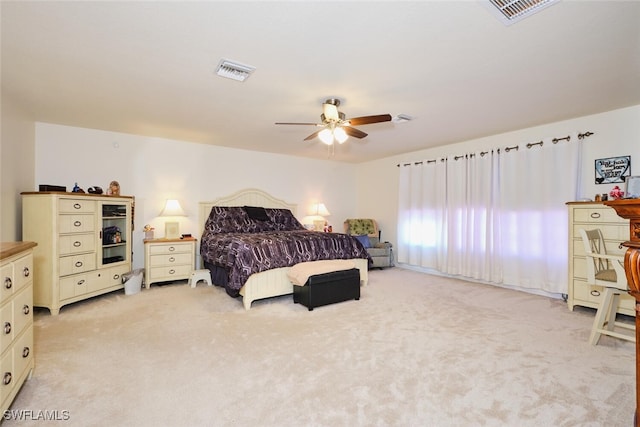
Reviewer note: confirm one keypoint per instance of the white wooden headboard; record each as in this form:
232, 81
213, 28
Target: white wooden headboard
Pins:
247, 197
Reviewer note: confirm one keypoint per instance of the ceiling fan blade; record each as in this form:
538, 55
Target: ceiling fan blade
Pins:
306, 124
313, 135
356, 133
366, 120
330, 112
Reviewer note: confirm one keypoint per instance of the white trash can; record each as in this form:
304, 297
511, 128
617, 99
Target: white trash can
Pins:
133, 281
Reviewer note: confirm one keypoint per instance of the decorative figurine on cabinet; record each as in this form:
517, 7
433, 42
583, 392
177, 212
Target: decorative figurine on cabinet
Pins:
114, 189
616, 193
77, 189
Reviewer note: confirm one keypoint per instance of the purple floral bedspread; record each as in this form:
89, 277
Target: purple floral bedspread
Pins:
271, 238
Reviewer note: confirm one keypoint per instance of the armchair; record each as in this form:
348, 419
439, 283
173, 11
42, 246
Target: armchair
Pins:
367, 232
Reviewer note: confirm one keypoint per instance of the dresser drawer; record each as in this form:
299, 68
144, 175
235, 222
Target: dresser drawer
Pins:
107, 278
22, 271
22, 310
22, 353
8, 282
76, 223
76, 206
617, 232
15, 275
7, 331
171, 248
73, 286
76, 243
595, 215
77, 264
173, 259
612, 247
7, 379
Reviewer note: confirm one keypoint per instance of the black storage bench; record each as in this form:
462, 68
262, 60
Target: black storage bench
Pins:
328, 288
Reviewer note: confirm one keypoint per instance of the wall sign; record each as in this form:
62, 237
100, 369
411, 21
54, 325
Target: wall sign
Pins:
613, 169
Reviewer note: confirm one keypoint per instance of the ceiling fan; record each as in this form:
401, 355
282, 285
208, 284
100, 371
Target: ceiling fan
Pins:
336, 127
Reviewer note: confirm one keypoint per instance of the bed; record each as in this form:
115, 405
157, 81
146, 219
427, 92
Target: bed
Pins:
231, 253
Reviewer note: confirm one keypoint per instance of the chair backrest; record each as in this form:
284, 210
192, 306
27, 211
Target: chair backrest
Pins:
361, 226
602, 268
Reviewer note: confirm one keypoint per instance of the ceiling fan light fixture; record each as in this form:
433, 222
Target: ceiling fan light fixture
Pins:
340, 135
326, 136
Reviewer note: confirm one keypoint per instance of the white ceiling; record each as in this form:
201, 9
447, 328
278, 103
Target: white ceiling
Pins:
147, 68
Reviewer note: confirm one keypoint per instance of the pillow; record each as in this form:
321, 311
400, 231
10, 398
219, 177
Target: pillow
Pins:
256, 213
364, 239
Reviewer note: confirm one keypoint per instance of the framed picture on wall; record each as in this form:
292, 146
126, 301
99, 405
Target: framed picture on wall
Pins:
632, 189
613, 169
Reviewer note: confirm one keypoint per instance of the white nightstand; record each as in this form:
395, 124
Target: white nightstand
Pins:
168, 259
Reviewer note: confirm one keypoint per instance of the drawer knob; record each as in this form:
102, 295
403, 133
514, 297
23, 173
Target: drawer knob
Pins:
77, 224
7, 328
77, 206
80, 282
172, 259
25, 352
172, 271
77, 244
7, 378
26, 310
172, 248
79, 264
595, 293
116, 276
26, 272
595, 215
8, 283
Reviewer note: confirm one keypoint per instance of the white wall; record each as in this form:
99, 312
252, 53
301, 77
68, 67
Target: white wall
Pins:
17, 168
616, 133
153, 170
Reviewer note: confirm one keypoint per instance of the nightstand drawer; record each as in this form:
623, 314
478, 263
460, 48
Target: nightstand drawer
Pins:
170, 272
170, 248
168, 260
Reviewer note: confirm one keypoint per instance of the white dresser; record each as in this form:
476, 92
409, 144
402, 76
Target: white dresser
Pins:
16, 315
168, 259
615, 230
84, 245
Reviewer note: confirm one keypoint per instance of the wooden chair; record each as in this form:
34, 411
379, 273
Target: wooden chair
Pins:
607, 271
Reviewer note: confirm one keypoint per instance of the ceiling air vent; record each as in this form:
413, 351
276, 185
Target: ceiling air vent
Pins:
234, 70
511, 11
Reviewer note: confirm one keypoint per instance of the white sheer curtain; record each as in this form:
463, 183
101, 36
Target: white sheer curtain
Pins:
422, 214
496, 216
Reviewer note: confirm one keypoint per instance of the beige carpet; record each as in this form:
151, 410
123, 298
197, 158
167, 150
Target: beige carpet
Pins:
416, 350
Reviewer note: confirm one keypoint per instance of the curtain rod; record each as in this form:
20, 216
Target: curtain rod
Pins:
567, 138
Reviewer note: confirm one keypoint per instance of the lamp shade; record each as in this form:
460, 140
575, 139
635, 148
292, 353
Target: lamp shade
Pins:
172, 208
326, 136
319, 209
340, 135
